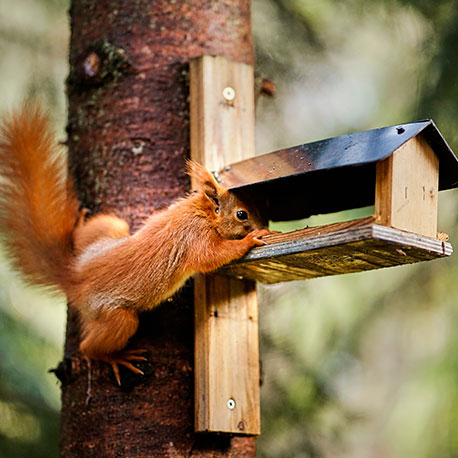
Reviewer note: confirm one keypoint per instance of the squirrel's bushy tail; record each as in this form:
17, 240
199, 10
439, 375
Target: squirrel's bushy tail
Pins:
38, 204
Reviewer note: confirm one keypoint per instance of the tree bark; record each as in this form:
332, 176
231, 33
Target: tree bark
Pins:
128, 137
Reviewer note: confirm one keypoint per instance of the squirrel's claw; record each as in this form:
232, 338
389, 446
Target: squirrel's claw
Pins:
133, 355
123, 358
256, 236
131, 367
116, 372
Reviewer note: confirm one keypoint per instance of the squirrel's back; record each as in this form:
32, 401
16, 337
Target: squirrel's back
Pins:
38, 205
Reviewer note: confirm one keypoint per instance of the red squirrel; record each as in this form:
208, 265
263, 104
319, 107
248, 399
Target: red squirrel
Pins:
108, 275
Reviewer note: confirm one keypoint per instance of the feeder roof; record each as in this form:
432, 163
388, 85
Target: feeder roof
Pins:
333, 174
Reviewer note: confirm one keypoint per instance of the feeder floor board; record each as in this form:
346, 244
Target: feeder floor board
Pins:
339, 248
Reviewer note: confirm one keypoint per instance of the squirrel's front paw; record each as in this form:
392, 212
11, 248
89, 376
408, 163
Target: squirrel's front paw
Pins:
255, 236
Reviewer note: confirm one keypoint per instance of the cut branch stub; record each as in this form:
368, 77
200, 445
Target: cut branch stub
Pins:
102, 62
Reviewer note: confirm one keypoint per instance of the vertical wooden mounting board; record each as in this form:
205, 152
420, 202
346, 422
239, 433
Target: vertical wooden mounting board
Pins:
407, 187
226, 310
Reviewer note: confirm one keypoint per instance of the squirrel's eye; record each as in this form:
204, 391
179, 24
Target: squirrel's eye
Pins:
217, 210
242, 215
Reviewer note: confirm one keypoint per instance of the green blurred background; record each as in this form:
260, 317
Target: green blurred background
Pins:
362, 365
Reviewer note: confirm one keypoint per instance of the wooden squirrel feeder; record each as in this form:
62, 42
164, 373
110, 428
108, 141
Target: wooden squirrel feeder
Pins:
396, 169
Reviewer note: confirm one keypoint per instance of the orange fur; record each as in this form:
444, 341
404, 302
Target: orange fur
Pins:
110, 276
109, 332
96, 228
38, 206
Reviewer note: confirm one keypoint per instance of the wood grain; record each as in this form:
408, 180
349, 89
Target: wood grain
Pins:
340, 248
407, 186
222, 131
227, 339
226, 310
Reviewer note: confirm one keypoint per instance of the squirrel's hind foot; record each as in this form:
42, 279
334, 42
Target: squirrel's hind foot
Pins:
123, 359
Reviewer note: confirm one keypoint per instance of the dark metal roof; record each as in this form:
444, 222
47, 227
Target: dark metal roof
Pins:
333, 174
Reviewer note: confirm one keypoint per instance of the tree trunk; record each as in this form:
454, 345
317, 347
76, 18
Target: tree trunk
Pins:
128, 136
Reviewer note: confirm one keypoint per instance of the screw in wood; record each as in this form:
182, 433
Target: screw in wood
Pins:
231, 404
229, 93
217, 177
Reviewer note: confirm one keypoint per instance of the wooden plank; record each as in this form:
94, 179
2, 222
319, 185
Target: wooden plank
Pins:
226, 310
225, 403
406, 194
222, 130
336, 249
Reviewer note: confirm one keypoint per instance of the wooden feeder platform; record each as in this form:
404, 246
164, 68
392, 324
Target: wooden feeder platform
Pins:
398, 169
334, 249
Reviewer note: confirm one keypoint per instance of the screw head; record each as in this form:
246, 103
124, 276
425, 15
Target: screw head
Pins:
231, 404
229, 93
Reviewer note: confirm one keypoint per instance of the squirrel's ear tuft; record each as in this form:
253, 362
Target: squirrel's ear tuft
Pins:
203, 180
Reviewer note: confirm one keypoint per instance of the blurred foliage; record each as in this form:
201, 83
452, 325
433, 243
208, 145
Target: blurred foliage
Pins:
363, 365
33, 46
31, 339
